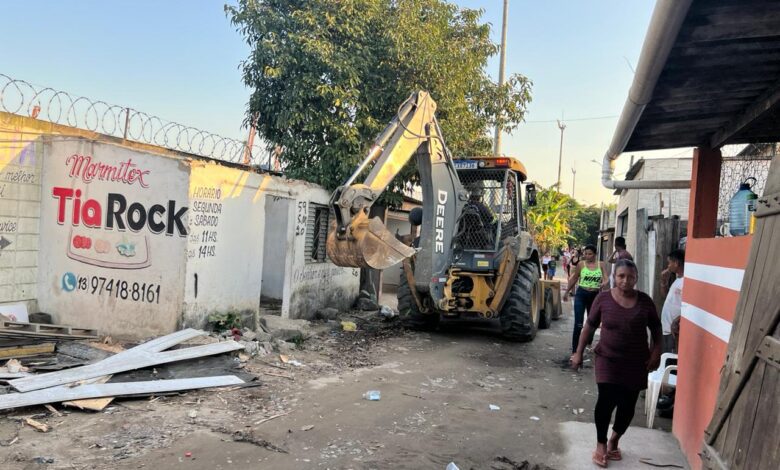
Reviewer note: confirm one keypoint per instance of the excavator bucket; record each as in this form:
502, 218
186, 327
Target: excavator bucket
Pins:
367, 244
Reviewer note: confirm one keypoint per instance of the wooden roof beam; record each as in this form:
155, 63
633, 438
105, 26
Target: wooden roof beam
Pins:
752, 113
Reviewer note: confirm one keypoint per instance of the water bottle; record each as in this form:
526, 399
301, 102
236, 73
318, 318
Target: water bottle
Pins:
372, 395
741, 208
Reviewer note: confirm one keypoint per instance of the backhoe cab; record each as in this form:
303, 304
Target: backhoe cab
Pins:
474, 256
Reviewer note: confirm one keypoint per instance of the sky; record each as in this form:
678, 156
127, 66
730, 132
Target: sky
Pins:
180, 60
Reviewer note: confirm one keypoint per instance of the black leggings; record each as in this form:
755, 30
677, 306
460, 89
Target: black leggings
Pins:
613, 396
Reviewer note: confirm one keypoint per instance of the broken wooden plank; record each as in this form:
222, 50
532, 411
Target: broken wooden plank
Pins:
82, 392
93, 404
45, 328
26, 350
129, 360
32, 335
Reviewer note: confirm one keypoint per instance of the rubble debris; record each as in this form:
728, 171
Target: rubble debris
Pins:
65, 393
286, 329
27, 350
17, 329
387, 312
40, 317
13, 366
327, 313
92, 404
308, 427
250, 437
279, 415
505, 463
53, 411
366, 305
145, 355
37, 425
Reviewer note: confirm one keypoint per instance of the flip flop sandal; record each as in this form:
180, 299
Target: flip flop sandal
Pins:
614, 455
600, 460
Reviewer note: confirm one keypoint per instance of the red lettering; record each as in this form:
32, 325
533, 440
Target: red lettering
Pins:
91, 213
62, 194
77, 208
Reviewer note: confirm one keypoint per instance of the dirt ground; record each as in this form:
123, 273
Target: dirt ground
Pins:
436, 395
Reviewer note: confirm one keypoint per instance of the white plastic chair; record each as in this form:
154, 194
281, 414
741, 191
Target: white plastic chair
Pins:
655, 380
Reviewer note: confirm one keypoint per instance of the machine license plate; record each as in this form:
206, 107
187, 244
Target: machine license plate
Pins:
465, 164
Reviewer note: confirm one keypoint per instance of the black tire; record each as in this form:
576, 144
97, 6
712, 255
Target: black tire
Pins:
520, 314
546, 317
410, 314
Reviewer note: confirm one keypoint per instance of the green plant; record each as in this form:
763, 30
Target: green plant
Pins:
224, 321
327, 76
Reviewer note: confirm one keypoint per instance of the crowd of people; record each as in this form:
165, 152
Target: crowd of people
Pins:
606, 298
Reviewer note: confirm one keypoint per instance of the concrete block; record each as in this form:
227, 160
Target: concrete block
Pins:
29, 208
27, 242
28, 225
26, 259
285, 328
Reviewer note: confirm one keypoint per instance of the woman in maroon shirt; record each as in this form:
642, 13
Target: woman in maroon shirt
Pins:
623, 358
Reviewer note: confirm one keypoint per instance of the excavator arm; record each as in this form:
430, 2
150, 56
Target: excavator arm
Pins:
356, 241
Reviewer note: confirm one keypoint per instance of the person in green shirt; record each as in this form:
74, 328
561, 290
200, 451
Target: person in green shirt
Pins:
592, 277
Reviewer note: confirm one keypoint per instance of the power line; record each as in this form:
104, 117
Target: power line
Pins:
593, 118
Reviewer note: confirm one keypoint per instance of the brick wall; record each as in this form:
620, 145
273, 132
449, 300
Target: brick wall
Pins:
20, 200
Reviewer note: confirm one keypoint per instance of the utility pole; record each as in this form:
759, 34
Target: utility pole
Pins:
561, 126
502, 63
573, 180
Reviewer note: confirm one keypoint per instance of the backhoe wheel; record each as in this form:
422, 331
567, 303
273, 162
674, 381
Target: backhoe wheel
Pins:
546, 317
520, 315
410, 314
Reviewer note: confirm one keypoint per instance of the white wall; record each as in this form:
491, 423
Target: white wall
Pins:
225, 246
139, 281
123, 281
231, 269
316, 285
20, 198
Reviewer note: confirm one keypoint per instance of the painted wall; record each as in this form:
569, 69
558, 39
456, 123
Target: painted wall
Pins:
234, 242
316, 285
135, 276
113, 237
714, 268
21, 160
225, 245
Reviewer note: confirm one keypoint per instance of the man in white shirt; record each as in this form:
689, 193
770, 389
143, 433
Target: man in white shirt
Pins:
670, 313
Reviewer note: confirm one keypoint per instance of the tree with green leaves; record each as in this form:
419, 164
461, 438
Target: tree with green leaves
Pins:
549, 220
585, 224
327, 76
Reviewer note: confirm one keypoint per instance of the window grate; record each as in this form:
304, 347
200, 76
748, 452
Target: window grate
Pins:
316, 233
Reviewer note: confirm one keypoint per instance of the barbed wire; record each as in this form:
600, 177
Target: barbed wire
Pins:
59, 107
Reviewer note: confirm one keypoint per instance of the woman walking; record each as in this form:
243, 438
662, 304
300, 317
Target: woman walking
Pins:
592, 277
623, 358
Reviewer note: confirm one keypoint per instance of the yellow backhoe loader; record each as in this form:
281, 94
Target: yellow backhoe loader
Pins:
474, 256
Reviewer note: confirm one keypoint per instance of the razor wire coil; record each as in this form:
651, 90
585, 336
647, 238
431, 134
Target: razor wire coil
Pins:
58, 107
